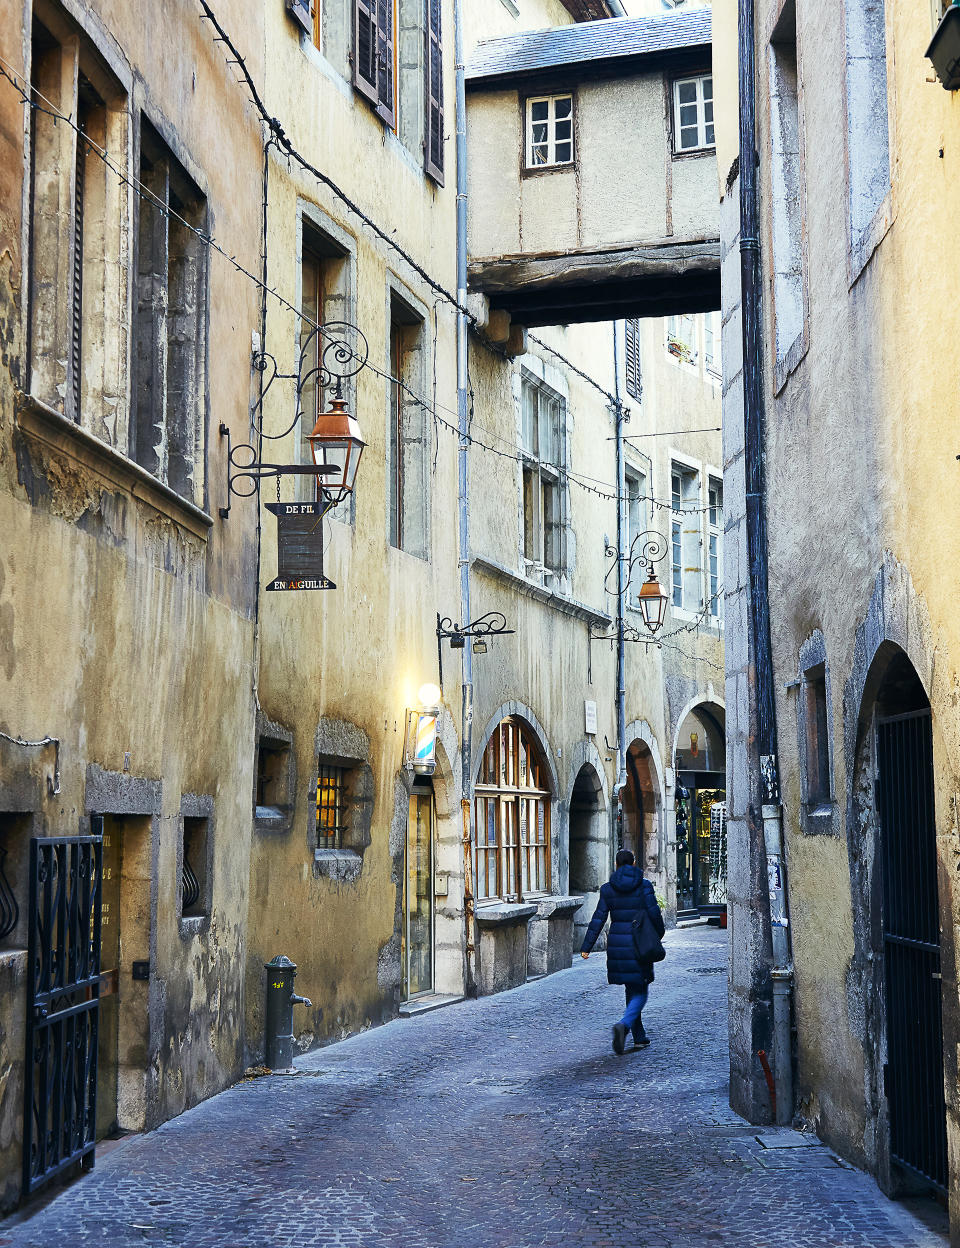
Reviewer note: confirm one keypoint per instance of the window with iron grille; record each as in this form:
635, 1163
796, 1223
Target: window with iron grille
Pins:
549, 131
331, 822
632, 358
373, 55
194, 895
512, 816
693, 113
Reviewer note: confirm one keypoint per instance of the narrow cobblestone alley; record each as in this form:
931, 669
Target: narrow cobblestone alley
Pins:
508, 1122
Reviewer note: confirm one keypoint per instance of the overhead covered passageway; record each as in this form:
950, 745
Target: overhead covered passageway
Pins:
592, 171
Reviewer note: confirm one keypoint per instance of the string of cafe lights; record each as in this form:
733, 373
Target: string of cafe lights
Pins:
591, 485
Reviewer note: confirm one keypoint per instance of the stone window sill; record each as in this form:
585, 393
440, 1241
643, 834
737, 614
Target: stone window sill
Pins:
530, 589
561, 906
51, 429
505, 913
193, 925
342, 865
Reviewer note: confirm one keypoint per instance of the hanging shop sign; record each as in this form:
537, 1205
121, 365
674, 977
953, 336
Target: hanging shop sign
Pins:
330, 356
299, 547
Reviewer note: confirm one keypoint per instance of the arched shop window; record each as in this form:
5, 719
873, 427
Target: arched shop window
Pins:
512, 838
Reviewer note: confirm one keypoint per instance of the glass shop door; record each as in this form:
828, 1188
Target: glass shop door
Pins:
417, 939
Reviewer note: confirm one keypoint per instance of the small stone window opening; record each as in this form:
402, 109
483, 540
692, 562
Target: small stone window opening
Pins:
193, 875
693, 113
273, 769
15, 833
331, 819
549, 131
817, 738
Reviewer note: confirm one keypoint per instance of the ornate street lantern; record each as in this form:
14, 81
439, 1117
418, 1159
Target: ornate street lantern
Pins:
653, 601
336, 446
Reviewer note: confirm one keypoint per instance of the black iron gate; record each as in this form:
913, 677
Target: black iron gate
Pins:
913, 1076
60, 1072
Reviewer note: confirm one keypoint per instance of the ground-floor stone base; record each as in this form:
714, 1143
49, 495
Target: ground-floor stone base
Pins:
499, 1121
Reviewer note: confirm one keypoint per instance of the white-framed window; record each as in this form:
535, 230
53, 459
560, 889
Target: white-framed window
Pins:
715, 547
543, 462
693, 113
682, 338
711, 344
636, 484
686, 571
549, 131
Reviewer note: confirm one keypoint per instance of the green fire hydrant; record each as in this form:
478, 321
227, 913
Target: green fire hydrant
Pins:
280, 1002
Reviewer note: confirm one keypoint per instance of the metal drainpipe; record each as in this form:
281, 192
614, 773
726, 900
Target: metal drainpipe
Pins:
622, 557
463, 494
756, 521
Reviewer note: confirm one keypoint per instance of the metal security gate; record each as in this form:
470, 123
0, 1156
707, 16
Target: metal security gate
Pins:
913, 1076
60, 1070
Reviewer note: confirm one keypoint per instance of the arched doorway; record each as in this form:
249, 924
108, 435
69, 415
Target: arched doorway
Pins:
700, 761
907, 857
588, 845
512, 857
640, 802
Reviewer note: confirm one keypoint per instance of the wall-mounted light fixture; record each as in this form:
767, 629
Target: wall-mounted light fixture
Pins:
420, 740
944, 49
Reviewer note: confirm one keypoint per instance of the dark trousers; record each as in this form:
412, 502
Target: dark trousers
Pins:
636, 1000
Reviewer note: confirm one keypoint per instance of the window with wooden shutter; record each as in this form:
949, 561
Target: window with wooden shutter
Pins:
433, 140
373, 54
632, 360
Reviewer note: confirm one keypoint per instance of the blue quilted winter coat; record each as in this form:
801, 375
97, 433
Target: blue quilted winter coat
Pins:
622, 897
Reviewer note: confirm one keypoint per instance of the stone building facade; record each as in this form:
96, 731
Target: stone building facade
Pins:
855, 140
173, 230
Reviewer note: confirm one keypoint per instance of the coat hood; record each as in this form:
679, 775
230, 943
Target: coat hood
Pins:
626, 879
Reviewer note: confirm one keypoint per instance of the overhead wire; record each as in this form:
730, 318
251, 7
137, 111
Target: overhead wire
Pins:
592, 485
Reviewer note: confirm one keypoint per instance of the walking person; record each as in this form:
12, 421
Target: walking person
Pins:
622, 897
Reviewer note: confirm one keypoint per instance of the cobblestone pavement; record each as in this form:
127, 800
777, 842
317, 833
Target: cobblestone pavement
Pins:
506, 1122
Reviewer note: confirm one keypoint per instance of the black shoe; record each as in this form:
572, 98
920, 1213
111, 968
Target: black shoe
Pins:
619, 1037
642, 1041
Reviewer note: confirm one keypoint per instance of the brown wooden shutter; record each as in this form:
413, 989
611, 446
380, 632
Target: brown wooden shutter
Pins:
632, 362
365, 48
433, 139
385, 60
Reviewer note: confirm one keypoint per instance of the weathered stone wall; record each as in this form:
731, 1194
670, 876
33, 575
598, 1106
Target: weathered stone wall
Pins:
127, 614
857, 423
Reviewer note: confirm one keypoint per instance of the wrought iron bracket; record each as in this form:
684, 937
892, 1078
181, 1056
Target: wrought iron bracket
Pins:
254, 471
492, 624
330, 355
